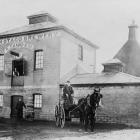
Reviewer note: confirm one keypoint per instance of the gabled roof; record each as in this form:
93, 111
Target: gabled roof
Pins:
104, 78
77, 69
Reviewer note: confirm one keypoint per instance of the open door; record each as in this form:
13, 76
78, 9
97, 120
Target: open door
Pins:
19, 70
14, 100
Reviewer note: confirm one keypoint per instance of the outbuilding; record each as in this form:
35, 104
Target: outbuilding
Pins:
121, 93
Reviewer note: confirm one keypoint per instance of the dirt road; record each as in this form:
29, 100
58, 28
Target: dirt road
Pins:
48, 131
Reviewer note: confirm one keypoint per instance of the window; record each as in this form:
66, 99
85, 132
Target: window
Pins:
1, 100
1, 62
38, 59
80, 52
19, 67
37, 100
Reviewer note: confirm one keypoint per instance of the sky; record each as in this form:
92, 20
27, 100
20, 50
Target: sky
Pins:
103, 22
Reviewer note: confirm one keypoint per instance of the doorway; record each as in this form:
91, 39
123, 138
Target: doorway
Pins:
14, 100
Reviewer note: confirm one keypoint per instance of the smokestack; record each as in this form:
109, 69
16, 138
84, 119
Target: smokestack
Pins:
132, 31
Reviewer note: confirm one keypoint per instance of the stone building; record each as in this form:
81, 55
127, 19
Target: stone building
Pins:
121, 93
34, 58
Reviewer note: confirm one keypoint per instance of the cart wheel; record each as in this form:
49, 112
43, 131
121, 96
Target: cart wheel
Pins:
57, 118
62, 117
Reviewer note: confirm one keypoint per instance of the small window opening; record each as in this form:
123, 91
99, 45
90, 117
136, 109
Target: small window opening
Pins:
19, 67
37, 100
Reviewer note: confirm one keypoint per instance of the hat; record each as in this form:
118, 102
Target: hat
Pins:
97, 89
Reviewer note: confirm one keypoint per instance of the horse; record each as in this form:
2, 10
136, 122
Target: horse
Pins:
87, 109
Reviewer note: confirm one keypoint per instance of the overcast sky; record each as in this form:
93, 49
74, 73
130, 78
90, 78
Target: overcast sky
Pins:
103, 22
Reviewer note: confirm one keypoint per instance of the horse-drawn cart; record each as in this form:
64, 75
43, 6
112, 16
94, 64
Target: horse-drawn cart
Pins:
85, 110
65, 111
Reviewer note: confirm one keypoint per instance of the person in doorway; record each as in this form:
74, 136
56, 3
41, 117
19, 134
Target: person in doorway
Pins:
15, 72
19, 108
68, 92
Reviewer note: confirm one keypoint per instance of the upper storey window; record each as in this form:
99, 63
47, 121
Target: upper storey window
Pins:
38, 59
1, 62
80, 52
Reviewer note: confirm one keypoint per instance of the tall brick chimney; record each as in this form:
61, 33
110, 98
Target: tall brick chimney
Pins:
41, 17
132, 31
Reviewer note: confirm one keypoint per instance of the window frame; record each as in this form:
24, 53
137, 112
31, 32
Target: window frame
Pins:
40, 102
80, 52
2, 65
35, 58
1, 104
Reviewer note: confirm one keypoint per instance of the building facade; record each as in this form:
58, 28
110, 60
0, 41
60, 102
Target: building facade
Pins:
121, 93
33, 60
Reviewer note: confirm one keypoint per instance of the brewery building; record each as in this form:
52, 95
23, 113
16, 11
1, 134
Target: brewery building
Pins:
33, 60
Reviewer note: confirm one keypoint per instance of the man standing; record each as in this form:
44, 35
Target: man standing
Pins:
19, 108
68, 92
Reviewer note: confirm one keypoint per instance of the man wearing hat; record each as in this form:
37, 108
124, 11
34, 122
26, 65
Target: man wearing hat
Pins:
68, 92
97, 95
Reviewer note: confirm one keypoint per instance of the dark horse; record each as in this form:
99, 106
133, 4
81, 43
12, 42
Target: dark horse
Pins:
87, 108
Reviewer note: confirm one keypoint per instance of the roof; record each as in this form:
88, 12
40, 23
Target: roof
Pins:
104, 78
112, 61
27, 28
77, 69
129, 54
43, 27
40, 13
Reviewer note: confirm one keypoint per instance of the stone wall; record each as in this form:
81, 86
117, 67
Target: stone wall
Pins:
121, 103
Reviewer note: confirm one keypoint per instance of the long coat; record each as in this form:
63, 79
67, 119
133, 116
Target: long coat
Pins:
67, 93
19, 108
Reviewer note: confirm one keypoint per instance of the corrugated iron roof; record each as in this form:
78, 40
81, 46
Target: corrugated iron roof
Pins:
104, 78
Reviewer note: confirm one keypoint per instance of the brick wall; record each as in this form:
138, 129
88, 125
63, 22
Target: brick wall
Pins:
50, 73
69, 50
49, 100
121, 104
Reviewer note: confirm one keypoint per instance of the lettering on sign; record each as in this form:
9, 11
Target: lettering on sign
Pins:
19, 39
18, 45
24, 41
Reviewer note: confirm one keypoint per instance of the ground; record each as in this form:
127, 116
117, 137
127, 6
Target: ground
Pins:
42, 130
